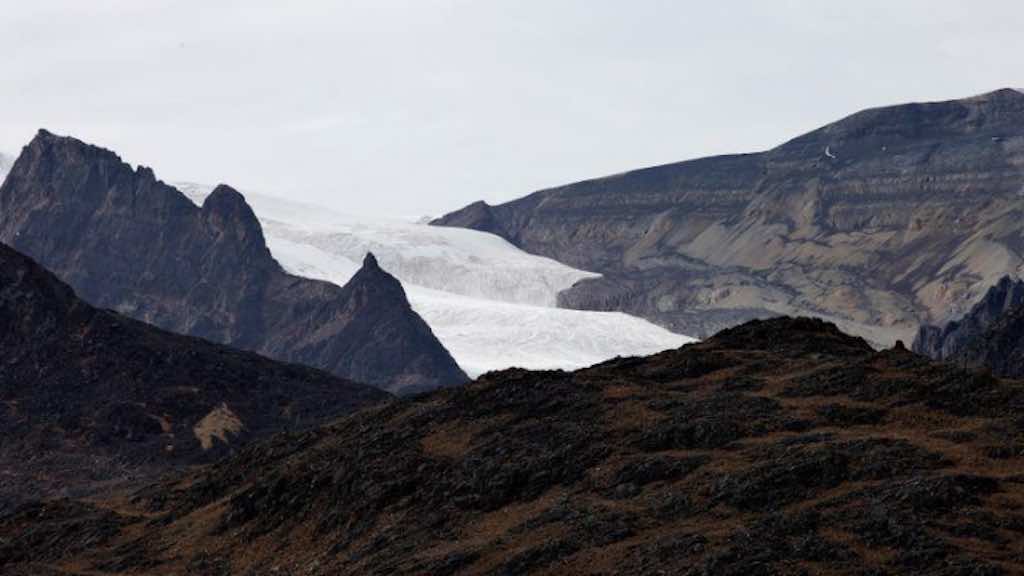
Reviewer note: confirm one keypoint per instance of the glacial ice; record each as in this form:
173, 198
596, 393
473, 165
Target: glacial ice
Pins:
490, 303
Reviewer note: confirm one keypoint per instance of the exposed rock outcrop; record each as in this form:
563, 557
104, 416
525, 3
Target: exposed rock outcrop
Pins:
990, 336
126, 241
885, 220
947, 341
90, 399
778, 447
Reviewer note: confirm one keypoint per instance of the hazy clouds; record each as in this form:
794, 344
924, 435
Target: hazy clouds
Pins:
418, 107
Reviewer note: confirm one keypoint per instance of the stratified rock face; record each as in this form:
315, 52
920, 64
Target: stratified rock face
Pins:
947, 341
778, 447
90, 399
990, 337
129, 242
883, 221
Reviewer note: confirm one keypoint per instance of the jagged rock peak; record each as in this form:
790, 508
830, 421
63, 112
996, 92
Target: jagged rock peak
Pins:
230, 205
64, 150
127, 242
949, 341
46, 140
377, 284
224, 196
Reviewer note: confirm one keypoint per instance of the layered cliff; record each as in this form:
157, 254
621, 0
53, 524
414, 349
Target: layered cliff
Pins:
126, 241
882, 221
90, 399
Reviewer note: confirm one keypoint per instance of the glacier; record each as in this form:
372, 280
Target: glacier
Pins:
6, 162
491, 304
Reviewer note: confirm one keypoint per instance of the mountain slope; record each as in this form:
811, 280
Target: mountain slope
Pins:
990, 336
882, 221
946, 342
1000, 348
91, 399
489, 303
129, 242
779, 447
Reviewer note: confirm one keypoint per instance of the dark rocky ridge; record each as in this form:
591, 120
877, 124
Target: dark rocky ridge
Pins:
990, 336
883, 221
947, 341
126, 241
91, 400
778, 447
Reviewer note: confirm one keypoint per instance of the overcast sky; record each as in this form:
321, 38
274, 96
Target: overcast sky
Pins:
421, 106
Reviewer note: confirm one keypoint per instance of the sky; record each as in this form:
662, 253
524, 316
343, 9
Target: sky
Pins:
418, 107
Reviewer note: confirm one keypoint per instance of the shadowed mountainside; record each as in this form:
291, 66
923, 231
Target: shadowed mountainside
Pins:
126, 241
778, 447
91, 400
885, 220
990, 336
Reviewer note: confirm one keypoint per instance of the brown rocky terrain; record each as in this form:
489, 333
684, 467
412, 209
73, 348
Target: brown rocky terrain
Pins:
126, 241
885, 220
91, 401
777, 447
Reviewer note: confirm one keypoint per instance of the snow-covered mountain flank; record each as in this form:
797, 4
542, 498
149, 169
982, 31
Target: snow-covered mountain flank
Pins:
490, 303
5, 165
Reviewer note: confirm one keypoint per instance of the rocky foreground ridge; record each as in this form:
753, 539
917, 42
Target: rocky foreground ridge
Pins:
126, 241
777, 447
885, 220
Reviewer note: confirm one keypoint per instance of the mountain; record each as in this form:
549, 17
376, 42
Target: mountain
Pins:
126, 241
947, 341
885, 220
1000, 348
990, 336
778, 447
488, 302
90, 399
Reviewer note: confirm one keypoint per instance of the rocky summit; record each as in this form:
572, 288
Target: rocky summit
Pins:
990, 336
777, 447
126, 241
885, 220
91, 401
